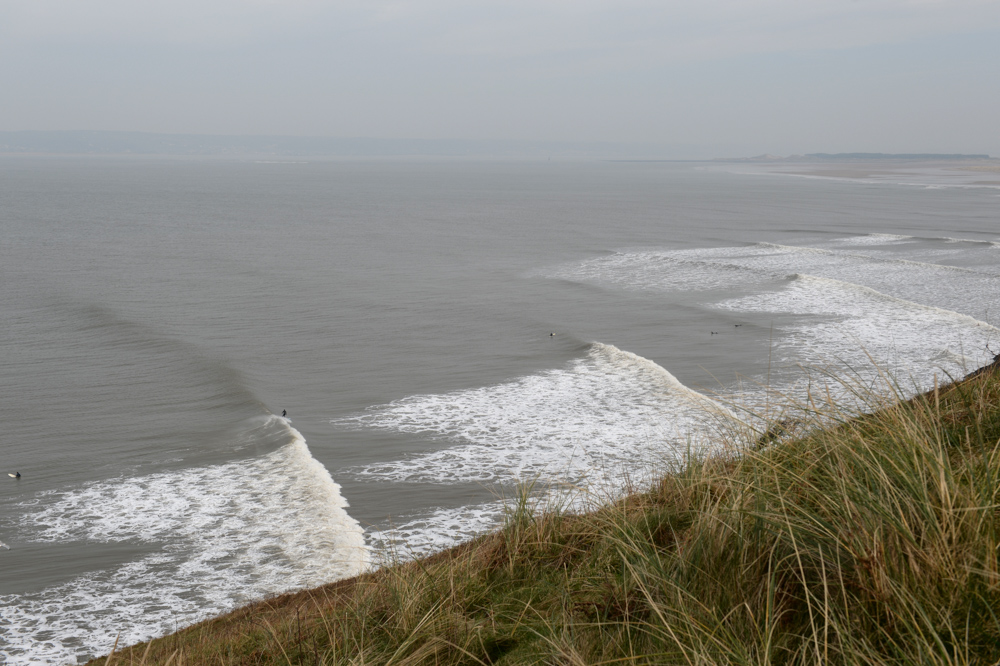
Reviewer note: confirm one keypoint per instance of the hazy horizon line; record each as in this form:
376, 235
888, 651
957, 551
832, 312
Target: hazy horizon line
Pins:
128, 142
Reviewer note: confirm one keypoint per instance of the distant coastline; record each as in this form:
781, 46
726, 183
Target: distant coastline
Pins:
857, 157
924, 169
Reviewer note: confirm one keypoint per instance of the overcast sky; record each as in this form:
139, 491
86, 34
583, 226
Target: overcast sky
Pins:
779, 76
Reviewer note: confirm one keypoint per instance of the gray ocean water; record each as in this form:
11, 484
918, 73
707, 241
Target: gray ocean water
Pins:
438, 332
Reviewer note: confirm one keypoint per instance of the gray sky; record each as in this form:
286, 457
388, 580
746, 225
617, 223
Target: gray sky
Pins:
751, 76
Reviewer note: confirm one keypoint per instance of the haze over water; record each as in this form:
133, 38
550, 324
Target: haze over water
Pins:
158, 316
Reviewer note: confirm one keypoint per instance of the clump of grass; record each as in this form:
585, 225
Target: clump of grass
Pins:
870, 540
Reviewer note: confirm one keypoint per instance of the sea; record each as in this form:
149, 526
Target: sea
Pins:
224, 379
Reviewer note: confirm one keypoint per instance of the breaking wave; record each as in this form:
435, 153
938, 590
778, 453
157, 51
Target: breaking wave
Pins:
227, 534
609, 411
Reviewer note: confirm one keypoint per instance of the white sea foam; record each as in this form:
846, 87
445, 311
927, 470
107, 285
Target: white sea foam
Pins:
853, 326
229, 533
972, 292
926, 179
962, 290
426, 532
975, 254
916, 317
885, 239
423, 533
873, 239
992, 244
605, 413
613, 412
659, 270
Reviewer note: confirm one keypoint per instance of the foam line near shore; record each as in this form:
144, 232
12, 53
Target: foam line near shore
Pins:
954, 288
229, 533
855, 329
606, 413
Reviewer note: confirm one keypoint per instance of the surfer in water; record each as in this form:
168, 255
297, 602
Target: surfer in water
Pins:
14, 475
284, 413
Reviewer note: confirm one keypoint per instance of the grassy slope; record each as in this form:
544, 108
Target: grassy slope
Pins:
871, 541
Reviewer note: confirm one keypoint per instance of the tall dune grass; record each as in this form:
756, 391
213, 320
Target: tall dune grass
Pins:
868, 539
